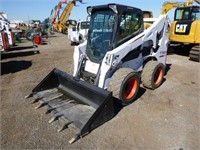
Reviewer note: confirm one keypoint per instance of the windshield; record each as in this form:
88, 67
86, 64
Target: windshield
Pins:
187, 14
100, 35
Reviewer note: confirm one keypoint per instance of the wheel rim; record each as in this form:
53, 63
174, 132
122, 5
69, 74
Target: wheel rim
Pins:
130, 88
158, 76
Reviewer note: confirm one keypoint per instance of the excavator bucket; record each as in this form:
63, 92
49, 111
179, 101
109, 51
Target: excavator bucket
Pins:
80, 105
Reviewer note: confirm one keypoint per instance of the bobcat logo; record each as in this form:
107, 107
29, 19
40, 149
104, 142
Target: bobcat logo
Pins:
181, 28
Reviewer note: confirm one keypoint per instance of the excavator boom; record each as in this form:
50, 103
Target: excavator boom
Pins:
167, 6
61, 23
190, 2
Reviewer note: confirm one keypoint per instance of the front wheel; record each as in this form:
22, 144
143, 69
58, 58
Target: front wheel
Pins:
29, 35
125, 85
152, 75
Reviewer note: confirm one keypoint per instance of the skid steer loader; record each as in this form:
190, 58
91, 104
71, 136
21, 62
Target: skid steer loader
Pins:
117, 56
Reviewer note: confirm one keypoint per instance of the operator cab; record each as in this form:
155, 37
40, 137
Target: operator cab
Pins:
187, 13
184, 17
110, 26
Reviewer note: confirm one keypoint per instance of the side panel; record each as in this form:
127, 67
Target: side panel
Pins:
177, 32
155, 33
197, 32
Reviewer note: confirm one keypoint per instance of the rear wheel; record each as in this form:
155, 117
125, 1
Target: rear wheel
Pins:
152, 75
125, 85
29, 35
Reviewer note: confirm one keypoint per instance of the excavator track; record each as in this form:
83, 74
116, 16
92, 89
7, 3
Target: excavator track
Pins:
195, 53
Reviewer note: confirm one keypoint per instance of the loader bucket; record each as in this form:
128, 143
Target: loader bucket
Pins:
82, 106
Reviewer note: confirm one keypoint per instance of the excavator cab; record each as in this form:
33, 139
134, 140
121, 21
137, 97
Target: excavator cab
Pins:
185, 29
186, 24
187, 13
185, 16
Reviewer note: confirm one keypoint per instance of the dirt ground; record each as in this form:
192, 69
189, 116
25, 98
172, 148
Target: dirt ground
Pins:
166, 118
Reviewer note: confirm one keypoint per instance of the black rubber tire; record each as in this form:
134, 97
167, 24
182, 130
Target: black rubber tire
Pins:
29, 35
195, 53
152, 74
125, 85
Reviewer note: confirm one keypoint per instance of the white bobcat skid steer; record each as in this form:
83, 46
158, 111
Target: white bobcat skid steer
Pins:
117, 53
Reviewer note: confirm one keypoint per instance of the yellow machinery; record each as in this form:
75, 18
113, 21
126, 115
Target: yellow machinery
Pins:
147, 15
185, 29
167, 6
61, 25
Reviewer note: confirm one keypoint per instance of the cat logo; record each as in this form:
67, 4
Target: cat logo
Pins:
181, 28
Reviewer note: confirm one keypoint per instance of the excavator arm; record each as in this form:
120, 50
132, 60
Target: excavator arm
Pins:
58, 7
190, 2
167, 6
61, 24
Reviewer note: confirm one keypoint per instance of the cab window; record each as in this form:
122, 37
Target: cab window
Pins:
130, 23
196, 14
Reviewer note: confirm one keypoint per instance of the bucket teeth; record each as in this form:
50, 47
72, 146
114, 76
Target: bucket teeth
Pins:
57, 106
40, 105
64, 126
49, 110
55, 118
74, 139
35, 100
28, 96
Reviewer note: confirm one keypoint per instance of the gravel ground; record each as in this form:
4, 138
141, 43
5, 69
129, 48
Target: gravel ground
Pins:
166, 118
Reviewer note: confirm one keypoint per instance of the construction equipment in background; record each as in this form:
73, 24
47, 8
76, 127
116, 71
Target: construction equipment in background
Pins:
148, 18
185, 28
147, 14
4, 43
61, 25
54, 15
6, 36
78, 34
167, 6
117, 56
